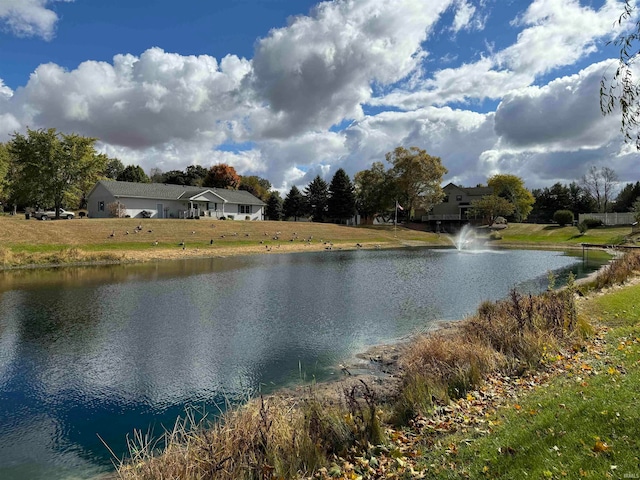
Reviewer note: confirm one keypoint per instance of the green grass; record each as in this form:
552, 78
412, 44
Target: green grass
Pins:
585, 424
549, 234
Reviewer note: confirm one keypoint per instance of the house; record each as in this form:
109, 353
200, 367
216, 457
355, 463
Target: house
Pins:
109, 198
456, 204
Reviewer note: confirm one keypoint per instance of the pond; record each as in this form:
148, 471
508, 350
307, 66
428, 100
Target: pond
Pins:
97, 352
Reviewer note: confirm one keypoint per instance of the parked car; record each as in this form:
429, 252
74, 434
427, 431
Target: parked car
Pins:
46, 215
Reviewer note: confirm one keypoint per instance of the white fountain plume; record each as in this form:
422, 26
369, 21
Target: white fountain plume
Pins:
467, 240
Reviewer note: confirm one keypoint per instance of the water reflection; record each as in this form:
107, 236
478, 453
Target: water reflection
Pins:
104, 350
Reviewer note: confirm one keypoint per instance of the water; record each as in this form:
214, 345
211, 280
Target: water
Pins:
101, 351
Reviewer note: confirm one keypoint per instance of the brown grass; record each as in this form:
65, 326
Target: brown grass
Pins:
618, 270
91, 237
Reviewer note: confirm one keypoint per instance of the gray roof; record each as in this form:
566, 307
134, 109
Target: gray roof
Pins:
161, 191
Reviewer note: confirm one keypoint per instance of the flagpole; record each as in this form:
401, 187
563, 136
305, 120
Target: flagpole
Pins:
395, 220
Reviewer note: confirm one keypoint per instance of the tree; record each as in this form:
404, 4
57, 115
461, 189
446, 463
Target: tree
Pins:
491, 206
636, 210
133, 173
512, 189
175, 177
5, 160
563, 217
294, 205
257, 186
317, 193
52, 168
156, 175
222, 176
600, 184
418, 176
113, 169
375, 190
274, 207
621, 91
626, 197
196, 175
341, 204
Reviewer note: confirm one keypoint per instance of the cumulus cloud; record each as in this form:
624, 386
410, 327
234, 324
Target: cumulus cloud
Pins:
562, 115
467, 17
29, 18
320, 68
139, 102
555, 34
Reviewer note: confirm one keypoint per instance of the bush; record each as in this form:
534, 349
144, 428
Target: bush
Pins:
592, 222
582, 228
230, 217
563, 217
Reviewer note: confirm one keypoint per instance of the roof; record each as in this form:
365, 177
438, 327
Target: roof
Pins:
161, 191
471, 191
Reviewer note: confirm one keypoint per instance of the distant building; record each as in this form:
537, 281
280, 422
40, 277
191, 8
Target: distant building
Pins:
156, 200
456, 204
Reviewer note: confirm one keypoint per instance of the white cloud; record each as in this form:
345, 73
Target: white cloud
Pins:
29, 18
467, 17
319, 69
139, 102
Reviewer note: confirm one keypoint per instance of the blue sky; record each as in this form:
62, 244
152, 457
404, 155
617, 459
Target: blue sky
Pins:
290, 89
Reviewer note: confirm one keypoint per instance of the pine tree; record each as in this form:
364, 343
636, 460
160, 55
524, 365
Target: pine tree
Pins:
317, 193
274, 207
342, 199
294, 205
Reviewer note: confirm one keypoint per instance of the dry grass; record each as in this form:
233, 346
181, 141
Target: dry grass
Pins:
162, 239
618, 271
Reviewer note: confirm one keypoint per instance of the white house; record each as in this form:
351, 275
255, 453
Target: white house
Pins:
110, 198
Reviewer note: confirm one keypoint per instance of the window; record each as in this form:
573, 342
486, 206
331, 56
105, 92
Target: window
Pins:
446, 199
101, 206
458, 198
245, 208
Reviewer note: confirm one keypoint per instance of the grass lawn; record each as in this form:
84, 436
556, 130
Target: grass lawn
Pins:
552, 234
583, 424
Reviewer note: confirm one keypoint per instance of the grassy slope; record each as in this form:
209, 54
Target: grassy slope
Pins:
532, 234
584, 424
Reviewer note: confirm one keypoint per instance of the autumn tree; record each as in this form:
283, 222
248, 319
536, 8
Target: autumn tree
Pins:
222, 176
134, 174
341, 204
418, 176
273, 210
601, 184
491, 206
257, 186
294, 205
317, 193
51, 168
511, 188
375, 190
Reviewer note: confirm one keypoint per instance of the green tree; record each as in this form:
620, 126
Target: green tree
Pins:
274, 206
375, 190
317, 193
491, 206
5, 160
294, 205
196, 175
257, 186
511, 188
53, 168
222, 176
133, 173
175, 177
341, 204
563, 217
626, 197
113, 169
418, 176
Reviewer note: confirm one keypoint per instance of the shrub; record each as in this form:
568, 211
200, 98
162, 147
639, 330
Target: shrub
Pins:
592, 222
563, 217
230, 217
582, 228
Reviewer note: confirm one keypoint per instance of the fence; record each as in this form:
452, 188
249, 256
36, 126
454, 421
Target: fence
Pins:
614, 218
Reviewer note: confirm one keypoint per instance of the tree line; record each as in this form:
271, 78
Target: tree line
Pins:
45, 168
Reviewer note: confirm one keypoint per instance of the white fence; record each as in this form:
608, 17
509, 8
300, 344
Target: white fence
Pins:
614, 218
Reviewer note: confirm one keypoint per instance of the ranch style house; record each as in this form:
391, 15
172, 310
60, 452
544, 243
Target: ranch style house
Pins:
110, 198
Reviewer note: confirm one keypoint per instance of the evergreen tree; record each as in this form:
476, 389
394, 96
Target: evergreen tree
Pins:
133, 173
317, 193
627, 196
294, 205
274, 207
342, 198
